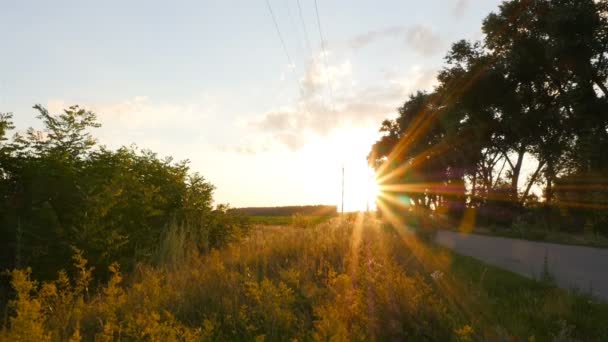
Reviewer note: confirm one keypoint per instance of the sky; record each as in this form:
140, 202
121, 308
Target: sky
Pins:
268, 116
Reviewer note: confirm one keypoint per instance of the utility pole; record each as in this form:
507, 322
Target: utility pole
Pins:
342, 189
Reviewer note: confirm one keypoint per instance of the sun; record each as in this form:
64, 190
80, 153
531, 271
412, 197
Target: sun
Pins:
360, 183
324, 158
360, 187
371, 189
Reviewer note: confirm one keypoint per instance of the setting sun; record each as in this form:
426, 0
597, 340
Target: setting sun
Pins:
342, 149
363, 190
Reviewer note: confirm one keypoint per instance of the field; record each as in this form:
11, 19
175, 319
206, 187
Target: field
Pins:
288, 220
353, 280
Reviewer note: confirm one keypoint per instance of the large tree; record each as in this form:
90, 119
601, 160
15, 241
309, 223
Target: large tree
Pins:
534, 89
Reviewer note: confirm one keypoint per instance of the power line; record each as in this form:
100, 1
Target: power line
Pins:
285, 50
331, 94
276, 26
304, 28
294, 28
324, 56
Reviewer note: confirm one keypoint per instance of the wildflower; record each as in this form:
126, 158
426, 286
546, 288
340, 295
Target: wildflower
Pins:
437, 275
464, 333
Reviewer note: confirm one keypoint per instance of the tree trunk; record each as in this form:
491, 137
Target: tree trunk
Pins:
532, 180
474, 188
550, 174
600, 84
515, 175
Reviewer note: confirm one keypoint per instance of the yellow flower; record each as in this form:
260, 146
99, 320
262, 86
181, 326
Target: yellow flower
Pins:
464, 333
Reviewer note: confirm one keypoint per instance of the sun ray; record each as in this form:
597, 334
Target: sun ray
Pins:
431, 261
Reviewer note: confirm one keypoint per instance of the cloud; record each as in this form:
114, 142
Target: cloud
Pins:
315, 114
423, 39
141, 111
459, 7
293, 141
147, 122
276, 121
318, 78
369, 37
245, 149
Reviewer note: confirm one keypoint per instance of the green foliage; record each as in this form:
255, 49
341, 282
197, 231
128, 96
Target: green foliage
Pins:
65, 134
59, 191
582, 197
6, 124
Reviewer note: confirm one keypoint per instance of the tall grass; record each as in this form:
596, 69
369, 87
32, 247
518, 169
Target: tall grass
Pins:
339, 281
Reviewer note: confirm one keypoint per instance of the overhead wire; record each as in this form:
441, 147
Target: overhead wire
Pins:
329, 87
285, 50
308, 45
324, 57
306, 40
276, 26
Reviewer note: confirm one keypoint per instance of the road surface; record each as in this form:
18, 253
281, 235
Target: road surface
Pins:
572, 267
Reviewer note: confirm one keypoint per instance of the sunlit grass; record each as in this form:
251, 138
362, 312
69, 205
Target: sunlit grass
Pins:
351, 278
288, 220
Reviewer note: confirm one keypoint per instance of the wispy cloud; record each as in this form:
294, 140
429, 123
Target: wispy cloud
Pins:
369, 37
146, 122
314, 113
459, 7
141, 111
421, 38
424, 40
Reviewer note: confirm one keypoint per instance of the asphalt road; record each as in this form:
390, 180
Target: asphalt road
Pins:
572, 267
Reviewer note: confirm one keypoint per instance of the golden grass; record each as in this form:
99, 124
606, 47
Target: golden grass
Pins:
348, 280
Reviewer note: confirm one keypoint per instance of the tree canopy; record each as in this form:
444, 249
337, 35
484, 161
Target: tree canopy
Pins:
533, 91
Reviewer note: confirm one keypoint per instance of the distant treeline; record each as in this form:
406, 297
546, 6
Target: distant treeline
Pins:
309, 210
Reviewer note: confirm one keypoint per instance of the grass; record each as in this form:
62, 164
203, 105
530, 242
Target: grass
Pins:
526, 307
351, 280
287, 220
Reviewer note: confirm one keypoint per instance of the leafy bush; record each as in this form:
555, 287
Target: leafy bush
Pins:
59, 191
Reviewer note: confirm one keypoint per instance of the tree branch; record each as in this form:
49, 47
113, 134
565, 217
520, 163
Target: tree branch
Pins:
532, 180
499, 173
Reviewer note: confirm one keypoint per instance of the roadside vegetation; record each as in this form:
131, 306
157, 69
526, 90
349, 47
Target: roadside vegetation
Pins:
60, 191
295, 219
347, 281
